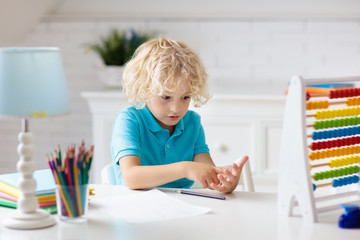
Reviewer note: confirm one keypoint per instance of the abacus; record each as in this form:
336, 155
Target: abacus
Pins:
320, 148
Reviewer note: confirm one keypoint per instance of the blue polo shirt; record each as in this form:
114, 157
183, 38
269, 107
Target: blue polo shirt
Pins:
136, 132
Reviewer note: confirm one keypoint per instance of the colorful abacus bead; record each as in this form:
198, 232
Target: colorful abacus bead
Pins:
353, 101
337, 113
340, 142
334, 152
308, 96
336, 133
336, 123
340, 182
345, 181
344, 93
336, 173
317, 105
344, 161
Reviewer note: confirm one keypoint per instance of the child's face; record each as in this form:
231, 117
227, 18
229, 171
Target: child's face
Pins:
169, 108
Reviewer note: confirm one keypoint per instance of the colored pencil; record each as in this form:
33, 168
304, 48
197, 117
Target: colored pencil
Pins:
71, 174
201, 194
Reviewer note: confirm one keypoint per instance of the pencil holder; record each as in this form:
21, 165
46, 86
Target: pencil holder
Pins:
72, 202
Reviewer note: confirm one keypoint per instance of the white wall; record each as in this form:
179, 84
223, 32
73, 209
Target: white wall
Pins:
235, 49
18, 17
213, 8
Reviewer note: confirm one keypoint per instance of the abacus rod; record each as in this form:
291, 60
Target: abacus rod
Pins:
338, 103
325, 184
319, 165
319, 95
330, 103
314, 105
310, 115
339, 182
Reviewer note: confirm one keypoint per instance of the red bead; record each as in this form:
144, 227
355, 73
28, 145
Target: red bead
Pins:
344, 93
353, 92
332, 93
308, 96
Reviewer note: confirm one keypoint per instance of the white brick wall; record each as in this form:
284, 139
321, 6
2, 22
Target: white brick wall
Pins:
239, 50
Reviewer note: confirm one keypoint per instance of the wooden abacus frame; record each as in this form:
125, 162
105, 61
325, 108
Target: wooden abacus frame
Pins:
295, 186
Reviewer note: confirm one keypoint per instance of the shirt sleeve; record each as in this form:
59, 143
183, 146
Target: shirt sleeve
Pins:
125, 139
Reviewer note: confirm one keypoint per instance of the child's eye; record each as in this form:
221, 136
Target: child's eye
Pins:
165, 97
185, 97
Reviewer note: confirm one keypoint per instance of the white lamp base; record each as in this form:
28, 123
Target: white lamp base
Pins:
28, 216
38, 219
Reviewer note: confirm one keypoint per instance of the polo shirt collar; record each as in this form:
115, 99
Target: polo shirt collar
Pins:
154, 126
179, 128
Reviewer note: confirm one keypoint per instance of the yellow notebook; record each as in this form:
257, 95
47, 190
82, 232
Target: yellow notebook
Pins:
45, 184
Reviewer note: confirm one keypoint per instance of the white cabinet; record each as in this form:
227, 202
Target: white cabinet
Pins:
237, 125
248, 122
104, 106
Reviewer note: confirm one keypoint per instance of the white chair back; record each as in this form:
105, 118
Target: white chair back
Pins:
108, 175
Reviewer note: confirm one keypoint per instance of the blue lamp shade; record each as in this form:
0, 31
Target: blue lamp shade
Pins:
32, 82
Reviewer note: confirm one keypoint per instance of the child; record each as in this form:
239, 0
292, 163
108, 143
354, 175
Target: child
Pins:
158, 141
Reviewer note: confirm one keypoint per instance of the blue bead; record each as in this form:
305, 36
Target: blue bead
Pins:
355, 179
315, 135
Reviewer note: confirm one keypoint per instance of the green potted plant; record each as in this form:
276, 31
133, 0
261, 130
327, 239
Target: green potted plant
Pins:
115, 50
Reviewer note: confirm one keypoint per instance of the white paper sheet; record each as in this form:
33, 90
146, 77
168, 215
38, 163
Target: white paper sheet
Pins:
148, 206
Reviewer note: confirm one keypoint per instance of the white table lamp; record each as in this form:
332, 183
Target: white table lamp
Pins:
32, 84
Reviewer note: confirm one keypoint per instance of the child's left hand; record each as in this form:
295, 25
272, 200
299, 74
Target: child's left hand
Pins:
229, 179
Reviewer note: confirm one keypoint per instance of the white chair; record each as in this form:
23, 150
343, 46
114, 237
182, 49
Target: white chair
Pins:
108, 175
246, 181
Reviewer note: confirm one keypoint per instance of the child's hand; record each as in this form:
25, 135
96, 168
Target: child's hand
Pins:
203, 173
229, 178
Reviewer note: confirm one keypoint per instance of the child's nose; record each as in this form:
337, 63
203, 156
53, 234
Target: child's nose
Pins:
174, 107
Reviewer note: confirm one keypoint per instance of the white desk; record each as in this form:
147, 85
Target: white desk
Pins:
243, 215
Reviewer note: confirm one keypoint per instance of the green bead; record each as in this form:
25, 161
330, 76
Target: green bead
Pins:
337, 172
316, 176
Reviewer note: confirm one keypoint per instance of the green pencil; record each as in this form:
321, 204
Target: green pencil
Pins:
59, 153
51, 209
7, 203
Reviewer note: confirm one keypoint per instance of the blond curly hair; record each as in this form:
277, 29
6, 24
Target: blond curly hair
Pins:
158, 66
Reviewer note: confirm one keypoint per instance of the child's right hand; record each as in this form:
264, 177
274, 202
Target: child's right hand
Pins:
230, 177
203, 173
